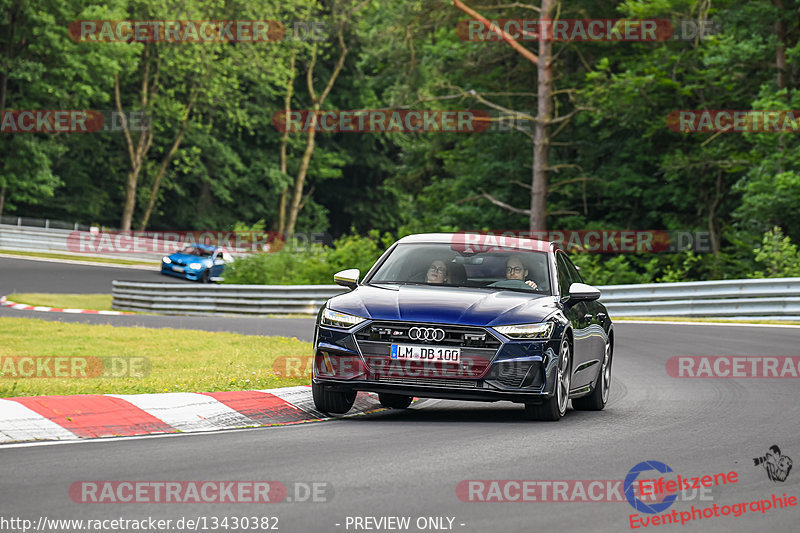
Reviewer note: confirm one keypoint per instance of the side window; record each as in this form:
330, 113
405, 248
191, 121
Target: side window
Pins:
574, 275
563, 274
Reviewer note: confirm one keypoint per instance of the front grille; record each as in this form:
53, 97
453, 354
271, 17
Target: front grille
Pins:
431, 382
463, 336
478, 348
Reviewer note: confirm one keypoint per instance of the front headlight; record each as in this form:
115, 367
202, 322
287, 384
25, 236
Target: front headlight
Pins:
527, 331
166, 259
340, 320
195, 266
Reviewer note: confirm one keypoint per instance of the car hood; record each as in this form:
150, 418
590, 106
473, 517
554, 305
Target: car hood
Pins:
444, 305
188, 258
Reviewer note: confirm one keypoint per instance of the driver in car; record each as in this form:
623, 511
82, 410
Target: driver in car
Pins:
515, 269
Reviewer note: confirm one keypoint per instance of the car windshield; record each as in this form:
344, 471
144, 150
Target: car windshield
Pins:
446, 264
194, 250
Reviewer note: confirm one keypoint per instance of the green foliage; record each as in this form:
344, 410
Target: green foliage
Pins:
615, 164
603, 269
778, 254
316, 264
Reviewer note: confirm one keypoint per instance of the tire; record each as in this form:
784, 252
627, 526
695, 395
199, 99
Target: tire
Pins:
597, 400
332, 402
205, 277
554, 408
395, 401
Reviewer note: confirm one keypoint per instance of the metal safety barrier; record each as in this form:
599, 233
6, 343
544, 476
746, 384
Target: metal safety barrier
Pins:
187, 299
62, 241
750, 298
776, 298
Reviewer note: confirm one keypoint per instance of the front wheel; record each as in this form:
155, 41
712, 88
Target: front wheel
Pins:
395, 401
330, 401
597, 400
554, 408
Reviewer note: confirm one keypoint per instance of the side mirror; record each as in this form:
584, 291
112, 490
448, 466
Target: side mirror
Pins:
580, 292
349, 278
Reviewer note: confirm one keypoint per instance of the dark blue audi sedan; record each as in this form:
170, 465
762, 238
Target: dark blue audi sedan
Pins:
459, 316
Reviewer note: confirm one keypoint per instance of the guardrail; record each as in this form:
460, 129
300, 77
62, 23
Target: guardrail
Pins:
750, 298
186, 299
53, 240
776, 298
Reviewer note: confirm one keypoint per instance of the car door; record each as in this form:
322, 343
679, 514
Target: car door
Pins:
218, 264
577, 313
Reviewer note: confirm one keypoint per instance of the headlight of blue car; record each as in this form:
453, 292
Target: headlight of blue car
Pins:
340, 320
527, 331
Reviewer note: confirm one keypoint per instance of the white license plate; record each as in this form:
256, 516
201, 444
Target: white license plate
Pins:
177, 269
411, 352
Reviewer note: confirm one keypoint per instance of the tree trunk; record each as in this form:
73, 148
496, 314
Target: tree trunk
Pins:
541, 141
2, 200
167, 158
137, 153
297, 192
157, 183
287, 107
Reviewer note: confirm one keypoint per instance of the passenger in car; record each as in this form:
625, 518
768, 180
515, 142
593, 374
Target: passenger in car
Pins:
437, 272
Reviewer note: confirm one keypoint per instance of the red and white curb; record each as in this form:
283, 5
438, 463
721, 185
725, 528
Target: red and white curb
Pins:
24, 307
88, 416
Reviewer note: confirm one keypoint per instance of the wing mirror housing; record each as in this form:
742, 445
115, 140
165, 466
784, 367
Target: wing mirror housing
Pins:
581, 292
349, 278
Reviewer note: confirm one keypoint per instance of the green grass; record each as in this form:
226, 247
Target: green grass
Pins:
687, 319
112, 260
98, 302
179, 360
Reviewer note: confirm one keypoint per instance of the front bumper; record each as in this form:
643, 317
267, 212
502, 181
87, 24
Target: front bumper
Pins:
188, 273
518, 371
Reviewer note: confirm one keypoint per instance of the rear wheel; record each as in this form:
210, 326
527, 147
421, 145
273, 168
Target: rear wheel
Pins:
554, 408
394, 401
597, 400
330, 401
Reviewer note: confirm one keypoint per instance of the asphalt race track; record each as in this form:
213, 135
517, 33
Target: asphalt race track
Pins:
25, 275
22, 275
409, 463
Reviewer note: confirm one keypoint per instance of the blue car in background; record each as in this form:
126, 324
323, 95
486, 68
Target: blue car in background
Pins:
196, 262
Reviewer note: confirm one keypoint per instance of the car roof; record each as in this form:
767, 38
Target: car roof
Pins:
481, 240
206, 247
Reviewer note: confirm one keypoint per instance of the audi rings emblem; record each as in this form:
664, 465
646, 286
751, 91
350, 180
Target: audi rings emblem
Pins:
426, 334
